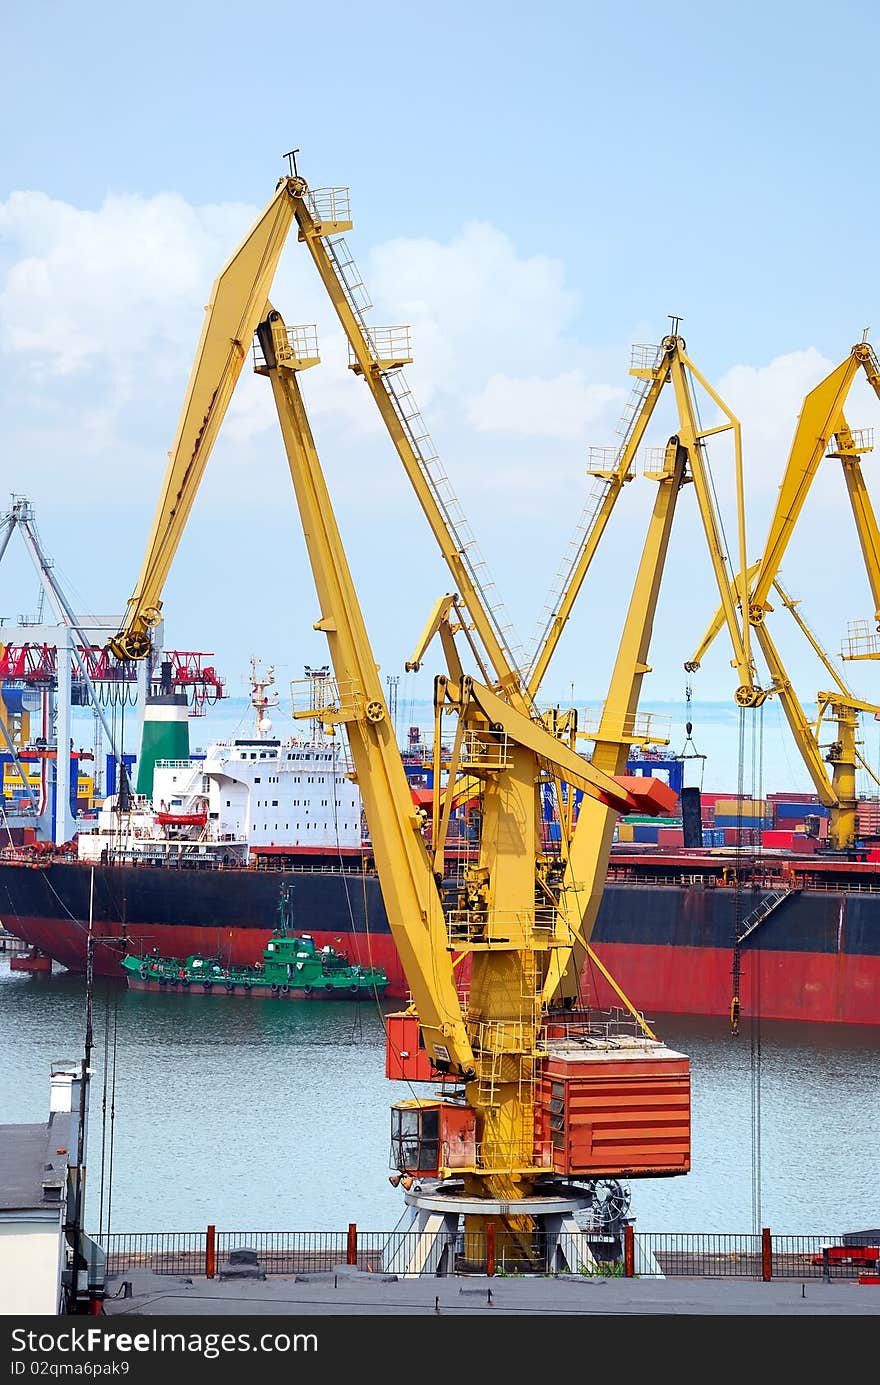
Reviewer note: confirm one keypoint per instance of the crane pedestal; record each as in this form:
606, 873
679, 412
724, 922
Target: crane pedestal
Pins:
432, 1240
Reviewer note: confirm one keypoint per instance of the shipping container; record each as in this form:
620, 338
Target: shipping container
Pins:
791, 808
743, 820
642, 832
746, 836
803, 845
647, 819
670, 836
729, 807
624, 831
713, 836
777, 840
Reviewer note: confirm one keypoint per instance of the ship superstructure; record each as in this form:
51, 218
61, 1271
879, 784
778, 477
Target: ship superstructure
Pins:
252, 794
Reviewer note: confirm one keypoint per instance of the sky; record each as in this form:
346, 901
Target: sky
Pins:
534, 190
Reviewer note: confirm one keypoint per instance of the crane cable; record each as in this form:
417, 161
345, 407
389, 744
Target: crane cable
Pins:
755, 1020
107, 1143
755, 1047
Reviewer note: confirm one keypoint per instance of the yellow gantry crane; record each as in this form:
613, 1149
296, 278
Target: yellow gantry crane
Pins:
821, 431
511, 916
498, 923
378, 355
620, 727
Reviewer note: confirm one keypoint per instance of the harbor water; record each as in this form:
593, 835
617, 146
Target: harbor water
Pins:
265, 1115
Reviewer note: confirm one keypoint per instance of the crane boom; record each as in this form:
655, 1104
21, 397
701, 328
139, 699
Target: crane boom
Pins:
848, 450
820, 417
652, 380
493, 1044
238, 301
584, 878
581, 889
412, 900
379, 358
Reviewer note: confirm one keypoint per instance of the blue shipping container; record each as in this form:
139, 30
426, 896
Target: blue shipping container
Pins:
798, 811
713, 836
642, 832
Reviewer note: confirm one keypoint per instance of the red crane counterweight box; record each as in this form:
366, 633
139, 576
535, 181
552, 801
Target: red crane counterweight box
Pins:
614, 1110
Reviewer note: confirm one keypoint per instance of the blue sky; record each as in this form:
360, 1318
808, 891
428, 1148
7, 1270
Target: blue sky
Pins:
534, 189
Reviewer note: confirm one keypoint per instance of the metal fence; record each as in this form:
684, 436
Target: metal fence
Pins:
496, 1251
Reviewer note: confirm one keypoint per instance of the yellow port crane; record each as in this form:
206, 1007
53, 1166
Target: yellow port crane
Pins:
491, 1042
493, 1046
378, 355
837, 790
821, 431
620, 725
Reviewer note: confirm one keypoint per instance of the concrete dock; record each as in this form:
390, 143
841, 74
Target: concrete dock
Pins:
347, 1291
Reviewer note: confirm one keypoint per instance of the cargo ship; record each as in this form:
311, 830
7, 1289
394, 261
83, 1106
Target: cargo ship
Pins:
198, 866
666, 927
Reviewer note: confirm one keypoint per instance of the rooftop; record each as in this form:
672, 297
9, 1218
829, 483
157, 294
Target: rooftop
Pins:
33, 1163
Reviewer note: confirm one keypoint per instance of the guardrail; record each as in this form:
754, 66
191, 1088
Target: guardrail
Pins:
634, 1254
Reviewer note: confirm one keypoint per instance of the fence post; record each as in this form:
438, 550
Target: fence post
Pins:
490, 1247
629, 1251
766, 1255
352, 1256
210, 1252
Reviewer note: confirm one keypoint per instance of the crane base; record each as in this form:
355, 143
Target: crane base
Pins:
433, 1243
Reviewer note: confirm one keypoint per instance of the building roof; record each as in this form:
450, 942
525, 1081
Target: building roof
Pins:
33, 1164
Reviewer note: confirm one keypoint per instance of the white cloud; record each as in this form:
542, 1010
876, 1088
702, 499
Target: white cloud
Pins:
548, 408
474, 301
767, 400
100, 311
106, 283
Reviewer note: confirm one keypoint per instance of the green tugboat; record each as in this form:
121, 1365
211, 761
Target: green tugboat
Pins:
293, 968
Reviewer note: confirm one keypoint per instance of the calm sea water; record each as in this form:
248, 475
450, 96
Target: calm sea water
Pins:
267, 1116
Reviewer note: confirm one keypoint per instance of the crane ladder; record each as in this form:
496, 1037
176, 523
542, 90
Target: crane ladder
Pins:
419, 439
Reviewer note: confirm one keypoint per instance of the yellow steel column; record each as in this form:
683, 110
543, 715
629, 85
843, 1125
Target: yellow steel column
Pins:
412, 901
692, 438
849, 453
817, 421
584, 879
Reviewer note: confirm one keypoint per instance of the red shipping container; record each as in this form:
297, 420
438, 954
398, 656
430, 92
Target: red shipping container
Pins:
670, 836
746, 837
804, 845
778, 839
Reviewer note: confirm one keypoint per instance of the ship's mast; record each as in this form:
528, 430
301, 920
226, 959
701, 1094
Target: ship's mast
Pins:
261, 701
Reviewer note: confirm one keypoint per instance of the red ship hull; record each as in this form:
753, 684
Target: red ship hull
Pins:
669, 944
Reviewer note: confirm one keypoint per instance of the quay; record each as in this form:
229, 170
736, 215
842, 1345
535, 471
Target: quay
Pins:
348, 1291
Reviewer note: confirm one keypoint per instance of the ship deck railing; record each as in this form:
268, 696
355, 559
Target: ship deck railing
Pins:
616, 875
694, 1255
806, 885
